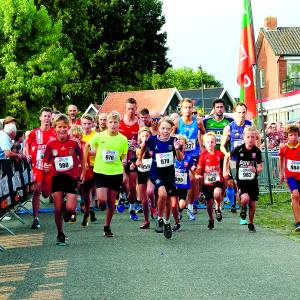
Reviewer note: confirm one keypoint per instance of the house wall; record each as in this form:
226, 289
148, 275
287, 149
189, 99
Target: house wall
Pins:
273, 66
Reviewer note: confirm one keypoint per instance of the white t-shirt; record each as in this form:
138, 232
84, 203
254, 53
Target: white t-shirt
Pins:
5, 143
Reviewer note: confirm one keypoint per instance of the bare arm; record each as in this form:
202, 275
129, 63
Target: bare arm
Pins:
281, 168
224, 139
226, 166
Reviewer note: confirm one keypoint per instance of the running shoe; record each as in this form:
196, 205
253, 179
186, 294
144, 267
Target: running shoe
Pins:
159, 227
133, 216
167, 231
120, 206
297, 227
107, 232
219, 215
93, 216
145, 225
251, 228
61, 239
85, 221
233, 209
243, 213
153, 213
243, 222
176, 227
72, 218
35, 224
190, 215
211, 224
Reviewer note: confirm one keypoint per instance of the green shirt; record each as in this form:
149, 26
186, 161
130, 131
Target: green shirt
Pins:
217, 127
110, 149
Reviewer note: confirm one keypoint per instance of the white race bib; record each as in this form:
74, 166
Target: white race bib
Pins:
180, 177
237, 143
218, 138
63, 163
109, 156
246, 173
211, 177
293, 165
191, 145
164, 159
146, 165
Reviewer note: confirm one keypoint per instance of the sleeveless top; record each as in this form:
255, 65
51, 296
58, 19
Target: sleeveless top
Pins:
237, 133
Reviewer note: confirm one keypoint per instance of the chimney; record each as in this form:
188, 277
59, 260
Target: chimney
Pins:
270, 23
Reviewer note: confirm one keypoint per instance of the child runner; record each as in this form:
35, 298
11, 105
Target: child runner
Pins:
111, 149
76, 133
162, 173
210, 169
289, 157
143, 176
183, 183
62, 158
248, 165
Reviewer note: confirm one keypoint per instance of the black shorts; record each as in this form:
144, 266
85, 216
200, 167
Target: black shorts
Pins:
249, 187
143, 177
64, 183
208, 190
168, 183
181, 193
113, 182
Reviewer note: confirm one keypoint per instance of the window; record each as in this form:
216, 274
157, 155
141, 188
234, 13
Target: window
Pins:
262, 78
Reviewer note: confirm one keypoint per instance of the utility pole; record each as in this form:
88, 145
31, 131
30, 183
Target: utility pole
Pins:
202, 90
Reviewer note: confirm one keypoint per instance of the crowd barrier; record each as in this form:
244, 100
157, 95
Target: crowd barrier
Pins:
273, 159
15, 189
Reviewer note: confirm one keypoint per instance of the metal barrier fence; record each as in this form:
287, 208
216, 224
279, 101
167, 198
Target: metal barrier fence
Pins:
273, 158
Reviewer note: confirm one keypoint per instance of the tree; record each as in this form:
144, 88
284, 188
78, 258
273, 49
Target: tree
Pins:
115, 41
34, 67
183, 78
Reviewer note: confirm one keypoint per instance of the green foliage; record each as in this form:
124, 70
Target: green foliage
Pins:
33, 65
183, 78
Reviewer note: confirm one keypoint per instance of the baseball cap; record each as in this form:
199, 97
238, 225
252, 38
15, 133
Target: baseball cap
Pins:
9, 119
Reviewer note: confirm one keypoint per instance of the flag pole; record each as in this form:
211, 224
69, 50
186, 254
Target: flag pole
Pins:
259, 98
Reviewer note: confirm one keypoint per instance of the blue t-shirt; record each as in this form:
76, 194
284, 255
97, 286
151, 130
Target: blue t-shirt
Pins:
236, 137
191, 132
163, 157
5, 143
182, 178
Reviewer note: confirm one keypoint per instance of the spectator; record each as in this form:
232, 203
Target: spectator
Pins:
6, 137
274, 136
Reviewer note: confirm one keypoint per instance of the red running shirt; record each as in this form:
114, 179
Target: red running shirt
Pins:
291, 157
64, 157
210, 165
37, 141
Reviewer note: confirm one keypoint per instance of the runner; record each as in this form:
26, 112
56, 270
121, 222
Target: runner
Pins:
145, 117
62, 158
248, 165
192, 127
210, 169
111, 149
102, 118
129, 126
289, 162
34, 150
233, 133
162, 174
72, 114
155, 118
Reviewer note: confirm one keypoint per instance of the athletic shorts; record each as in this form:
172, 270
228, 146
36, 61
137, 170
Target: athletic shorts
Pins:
248, 187
181, 193
208, 190
232, 166
168, 183
113, 182
37, 175
64, 183
143, 177
293, 184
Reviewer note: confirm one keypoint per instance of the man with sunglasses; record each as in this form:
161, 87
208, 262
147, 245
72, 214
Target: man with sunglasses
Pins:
192, 127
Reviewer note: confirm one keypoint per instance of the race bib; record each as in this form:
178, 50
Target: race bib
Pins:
180, 177
218, 138
237, 143
293, 165
191, 145
245, 173
211, 177
63, 163
109, 156
146, 165
164, 159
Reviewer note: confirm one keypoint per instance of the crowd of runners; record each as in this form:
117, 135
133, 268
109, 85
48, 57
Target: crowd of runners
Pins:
168, 163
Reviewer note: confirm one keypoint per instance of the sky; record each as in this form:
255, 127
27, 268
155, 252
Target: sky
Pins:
207, 32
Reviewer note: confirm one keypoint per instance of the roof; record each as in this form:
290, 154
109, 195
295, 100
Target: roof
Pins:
283, 40
154, 100
92, 107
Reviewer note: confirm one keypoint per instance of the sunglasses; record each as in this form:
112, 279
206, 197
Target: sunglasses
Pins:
156, 119
194, 113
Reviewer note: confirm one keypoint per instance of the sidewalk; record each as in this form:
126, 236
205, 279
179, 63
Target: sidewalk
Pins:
227, 263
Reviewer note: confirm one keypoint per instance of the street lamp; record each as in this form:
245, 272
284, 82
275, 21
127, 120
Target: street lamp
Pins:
200, 68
